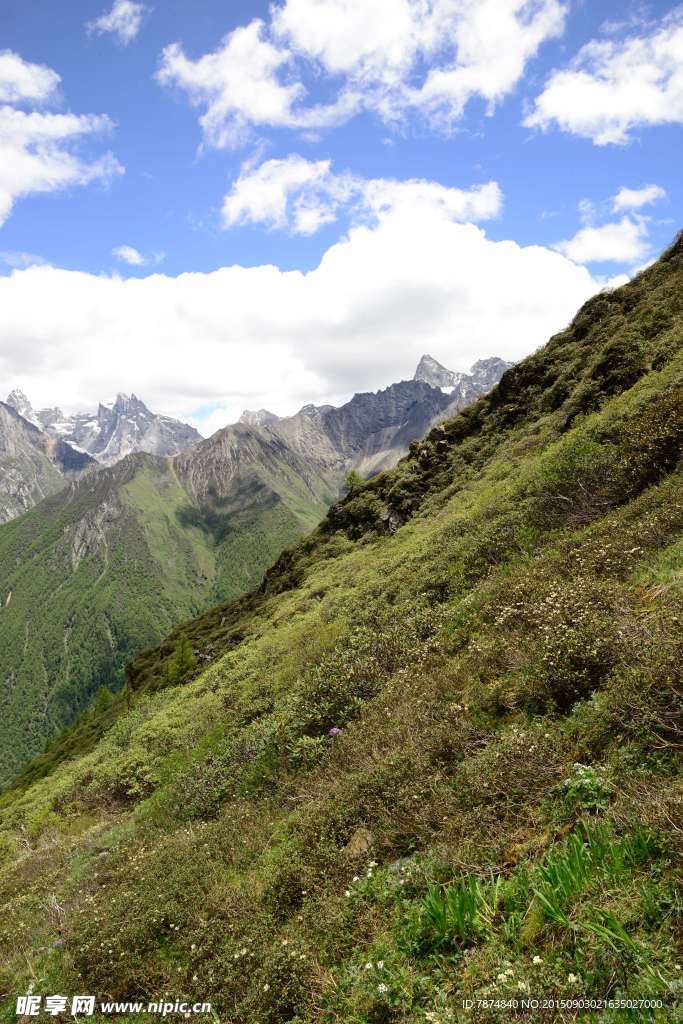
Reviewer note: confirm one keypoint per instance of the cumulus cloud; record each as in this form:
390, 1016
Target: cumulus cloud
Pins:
256, 337
615, 86
624, 241
21, 81
391, 57
636, 198
36, 154
134, 258
303, 195
123, 20
37, 149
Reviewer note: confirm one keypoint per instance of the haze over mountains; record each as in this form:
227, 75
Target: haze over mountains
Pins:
108, 562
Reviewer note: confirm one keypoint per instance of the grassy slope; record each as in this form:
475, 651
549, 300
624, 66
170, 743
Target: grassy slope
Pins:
102, 572
500, 806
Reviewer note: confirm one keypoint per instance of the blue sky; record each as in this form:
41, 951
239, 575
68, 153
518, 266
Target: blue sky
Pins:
206, 143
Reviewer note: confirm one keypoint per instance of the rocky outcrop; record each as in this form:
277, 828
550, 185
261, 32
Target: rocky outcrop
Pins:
32, 464
257, 417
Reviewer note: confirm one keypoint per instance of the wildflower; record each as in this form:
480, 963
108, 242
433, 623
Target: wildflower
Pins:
372, 864
510, 972
380, 964
522, 986
537, 960
193, 946
382, 988
572, 979
59, 942
368, 966
266, 987
194, 977
335, 731
356, 878
502, 977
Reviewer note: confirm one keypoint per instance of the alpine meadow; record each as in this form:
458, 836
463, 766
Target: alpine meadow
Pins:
434, 756
341, 512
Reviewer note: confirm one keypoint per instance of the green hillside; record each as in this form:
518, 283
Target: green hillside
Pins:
104, 569
435, 757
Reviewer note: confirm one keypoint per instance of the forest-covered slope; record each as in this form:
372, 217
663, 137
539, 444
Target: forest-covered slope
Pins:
105, 568
435, 757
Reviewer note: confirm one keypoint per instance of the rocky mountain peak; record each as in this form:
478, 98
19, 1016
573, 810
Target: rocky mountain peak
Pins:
431, 371
258, 417
489, 371
484, 374
19, 401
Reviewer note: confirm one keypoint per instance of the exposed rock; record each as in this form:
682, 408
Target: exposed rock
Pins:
117, 430
32, 465
257, 417
360, 842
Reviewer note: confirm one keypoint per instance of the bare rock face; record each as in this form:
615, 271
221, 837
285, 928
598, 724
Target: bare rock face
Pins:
117, 430
19, 401
257, 417
432, 372
482, 376
32, 464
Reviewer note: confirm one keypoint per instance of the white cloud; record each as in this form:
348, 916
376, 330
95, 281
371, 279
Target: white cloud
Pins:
614, 87
21, 81
303, 195
35, 154
38, 150
635, 198
622, 242
392, 57
129, 255
123, 20
256, 337
19, 260
134, 258
237, 84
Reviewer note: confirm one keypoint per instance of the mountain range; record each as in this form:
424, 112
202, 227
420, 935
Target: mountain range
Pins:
44, 449
114, 555
434, 756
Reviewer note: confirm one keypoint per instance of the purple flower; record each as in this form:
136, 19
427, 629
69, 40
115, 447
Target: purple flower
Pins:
59, 942
335, 731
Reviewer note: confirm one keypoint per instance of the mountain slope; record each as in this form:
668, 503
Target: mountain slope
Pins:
435, 757
32, 465
105, 568
41, 451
